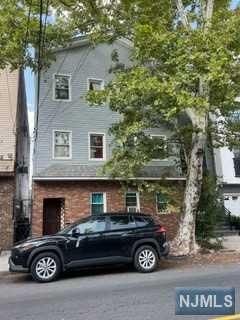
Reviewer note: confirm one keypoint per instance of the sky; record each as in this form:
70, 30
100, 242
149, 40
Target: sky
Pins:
235, 2
30, 91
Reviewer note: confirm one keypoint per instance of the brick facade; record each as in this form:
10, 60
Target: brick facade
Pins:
77, 202
7, 187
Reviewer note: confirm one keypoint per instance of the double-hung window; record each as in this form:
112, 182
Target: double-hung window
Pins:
62, 144
160, 147
161, 203
96, 146
98, 202
132, 202
62, 87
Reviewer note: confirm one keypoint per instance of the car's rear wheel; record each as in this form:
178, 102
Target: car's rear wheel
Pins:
146, 259
46, 267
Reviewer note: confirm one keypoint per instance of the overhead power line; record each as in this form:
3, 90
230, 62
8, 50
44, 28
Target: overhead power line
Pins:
27, 28
39, 63
44, 27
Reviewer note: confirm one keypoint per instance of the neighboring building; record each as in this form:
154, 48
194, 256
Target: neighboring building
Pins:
14, 156
73, 143
228, 174
227, 164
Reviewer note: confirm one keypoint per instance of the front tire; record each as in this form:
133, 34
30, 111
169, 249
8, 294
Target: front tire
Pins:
46, 267
146, 259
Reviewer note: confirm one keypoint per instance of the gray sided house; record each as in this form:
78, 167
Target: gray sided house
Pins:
73, 143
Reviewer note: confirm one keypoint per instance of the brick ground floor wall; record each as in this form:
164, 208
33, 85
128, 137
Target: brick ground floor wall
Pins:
7, 186
77, 197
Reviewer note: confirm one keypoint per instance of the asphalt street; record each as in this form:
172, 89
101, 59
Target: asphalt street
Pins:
109, 294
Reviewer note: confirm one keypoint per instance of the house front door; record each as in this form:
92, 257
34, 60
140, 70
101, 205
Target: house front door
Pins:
52, 209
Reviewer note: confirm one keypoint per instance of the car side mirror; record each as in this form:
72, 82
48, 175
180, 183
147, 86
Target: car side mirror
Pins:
76, 232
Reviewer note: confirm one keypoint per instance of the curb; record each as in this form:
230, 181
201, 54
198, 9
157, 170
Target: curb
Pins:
229, 250
176, 257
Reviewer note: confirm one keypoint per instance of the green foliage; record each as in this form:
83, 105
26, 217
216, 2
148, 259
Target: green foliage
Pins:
210, 212
19, 33
173, 194
175, 70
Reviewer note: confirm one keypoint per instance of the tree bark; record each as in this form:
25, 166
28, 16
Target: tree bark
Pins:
182, 13
185, 242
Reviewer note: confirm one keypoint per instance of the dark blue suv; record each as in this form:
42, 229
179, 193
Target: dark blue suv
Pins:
96, 240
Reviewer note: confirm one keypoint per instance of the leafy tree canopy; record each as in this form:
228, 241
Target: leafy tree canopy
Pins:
176, 68
19, 32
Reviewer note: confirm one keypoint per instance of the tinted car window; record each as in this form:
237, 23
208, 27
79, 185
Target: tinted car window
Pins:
144, 221
121, 222
96, 224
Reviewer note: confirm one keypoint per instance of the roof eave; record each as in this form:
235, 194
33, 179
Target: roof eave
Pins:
106, 178
84, 40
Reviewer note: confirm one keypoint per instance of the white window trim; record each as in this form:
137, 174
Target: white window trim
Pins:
69, 83
159, 212
164, 138
104, 201
104, 146
53, 145
138, 200
95, 79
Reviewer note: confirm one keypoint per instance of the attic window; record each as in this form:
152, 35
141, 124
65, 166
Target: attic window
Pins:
95, 84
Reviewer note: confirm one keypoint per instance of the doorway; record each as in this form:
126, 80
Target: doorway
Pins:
53, 214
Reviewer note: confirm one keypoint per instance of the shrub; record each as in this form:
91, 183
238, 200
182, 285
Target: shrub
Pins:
210, 213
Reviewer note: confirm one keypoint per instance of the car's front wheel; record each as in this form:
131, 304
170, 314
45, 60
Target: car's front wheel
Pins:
146, 259
46, 267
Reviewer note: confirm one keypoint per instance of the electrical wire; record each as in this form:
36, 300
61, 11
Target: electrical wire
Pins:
27, 29
77, 69
39, 64
45, 26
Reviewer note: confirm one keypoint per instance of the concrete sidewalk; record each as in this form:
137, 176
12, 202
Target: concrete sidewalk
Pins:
4, 261
231, 243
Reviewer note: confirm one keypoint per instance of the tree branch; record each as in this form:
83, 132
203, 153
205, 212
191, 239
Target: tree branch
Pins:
209, 10
182, 13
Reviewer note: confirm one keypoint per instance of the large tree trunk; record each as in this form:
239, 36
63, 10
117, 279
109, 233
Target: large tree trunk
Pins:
185, 242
